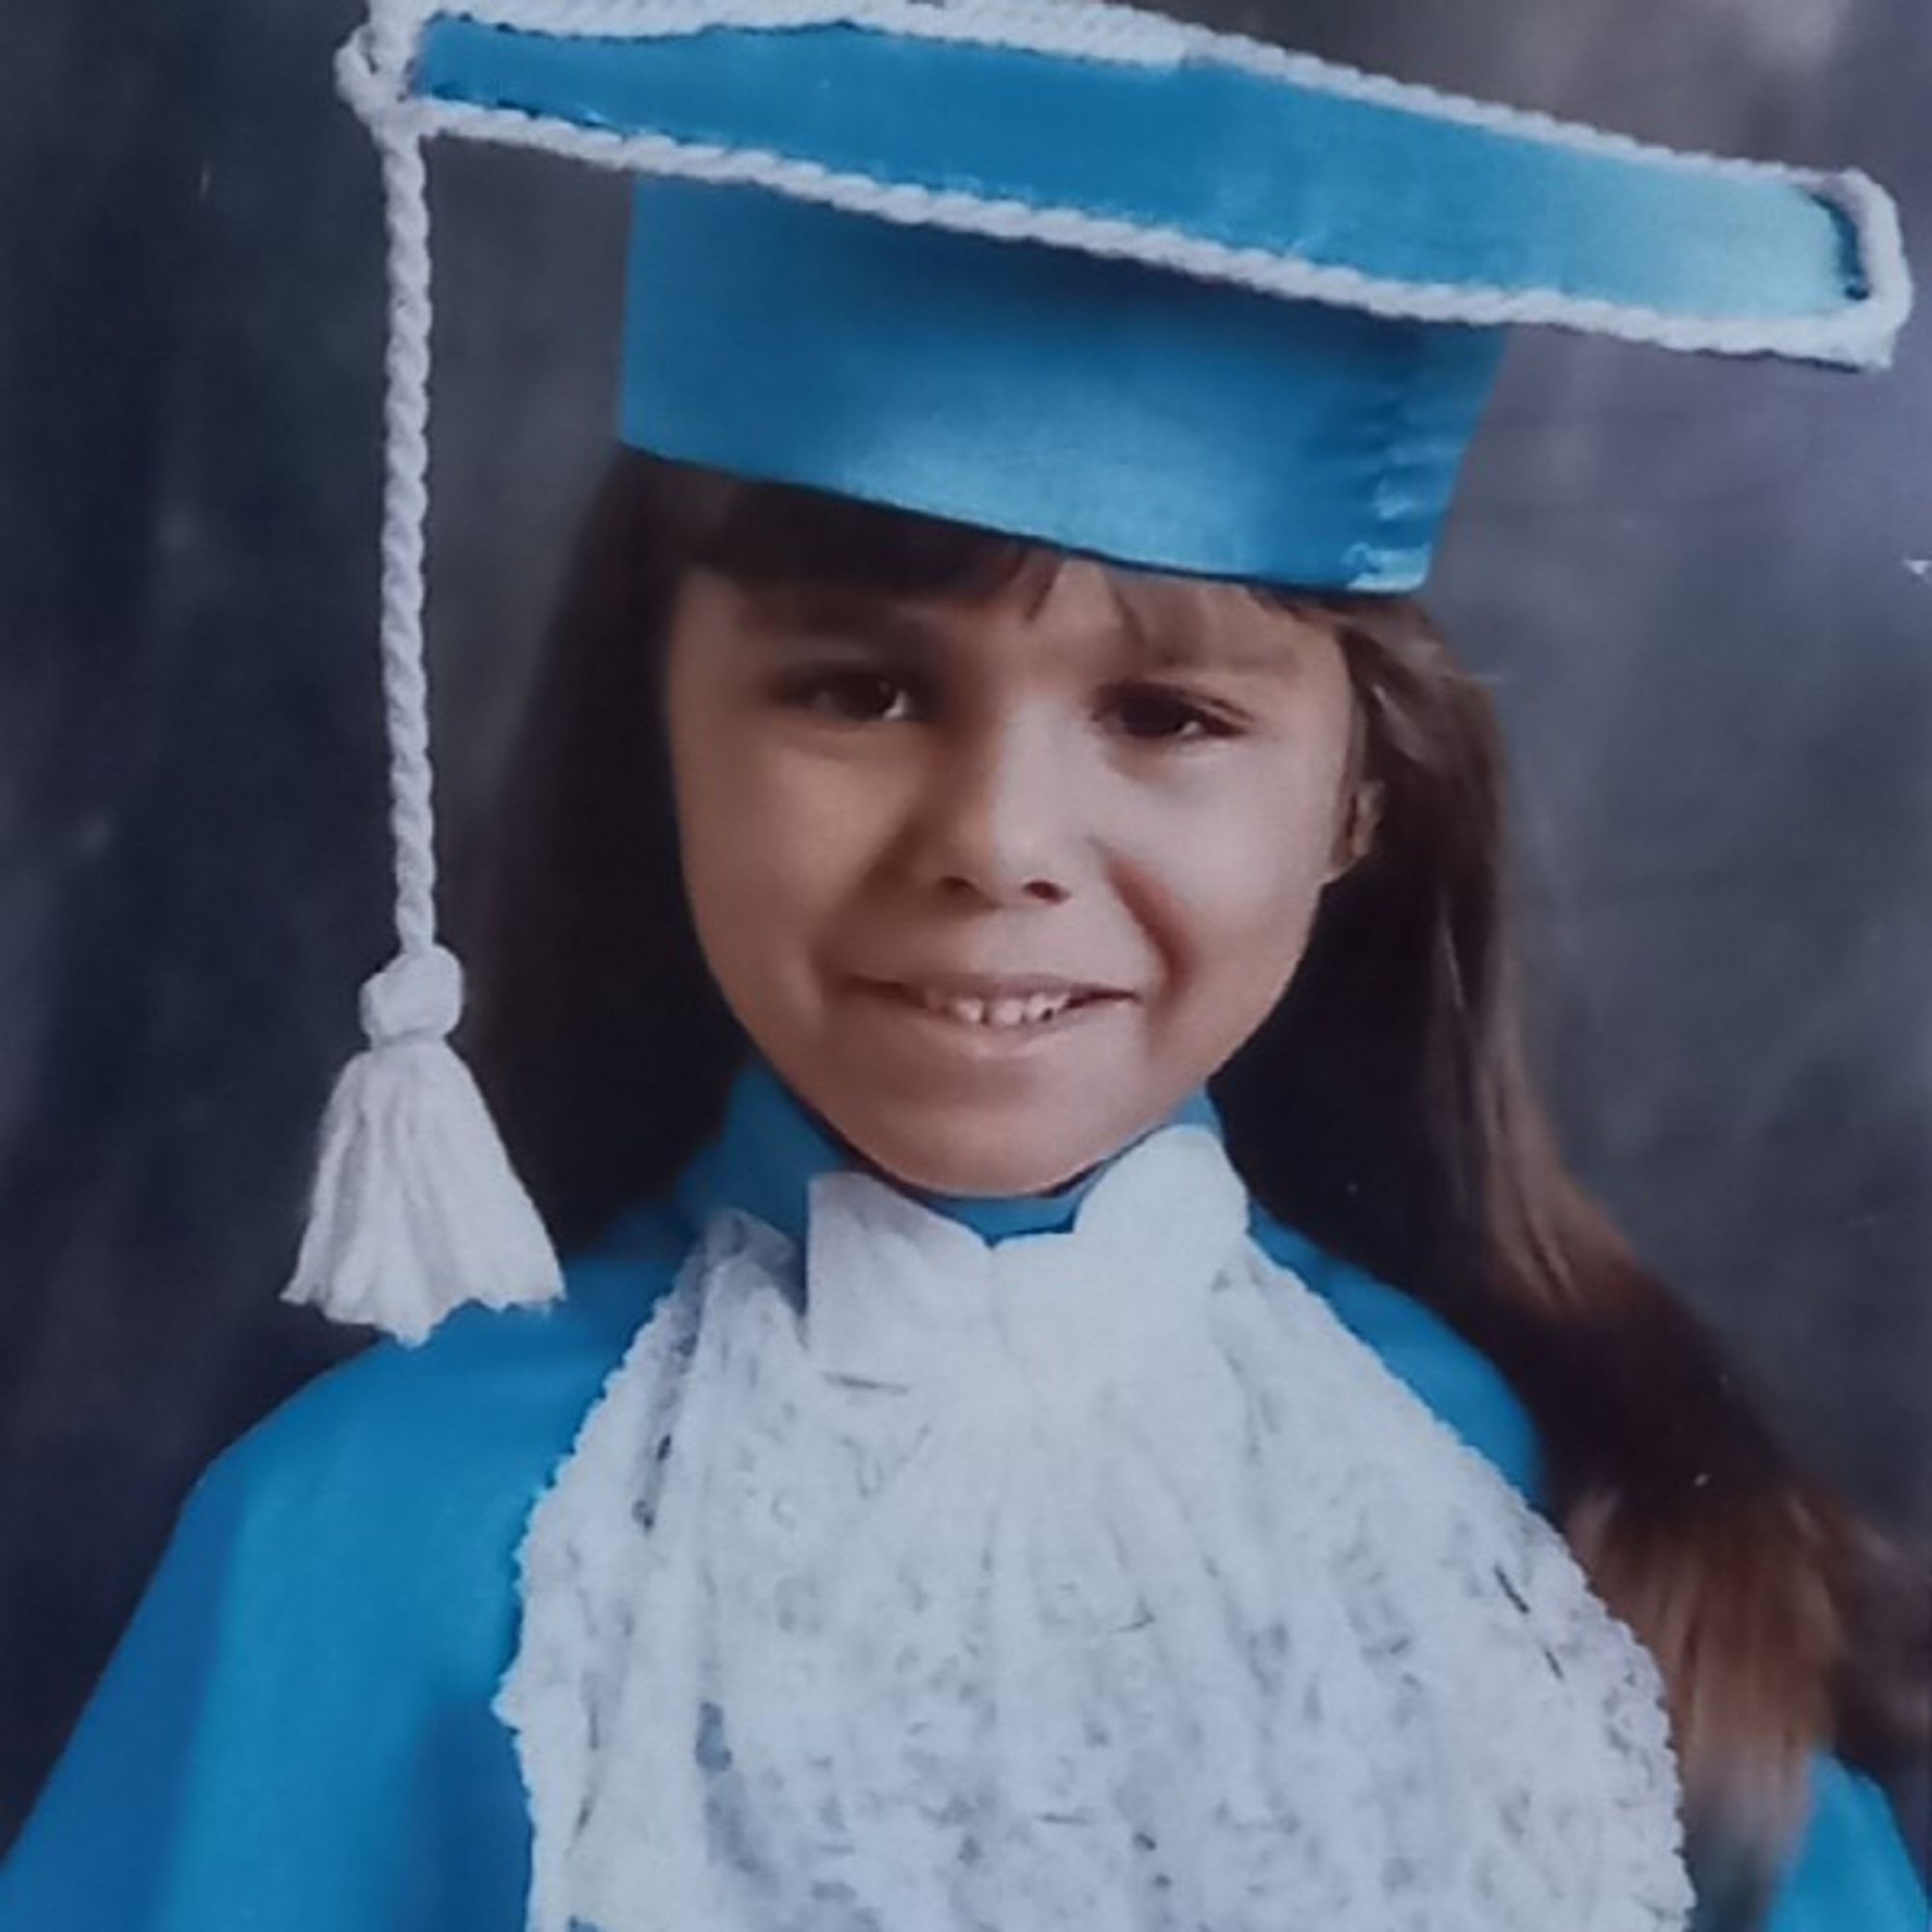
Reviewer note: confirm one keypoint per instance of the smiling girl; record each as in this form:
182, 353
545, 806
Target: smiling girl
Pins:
1009, 854
999, 885
1087, 1397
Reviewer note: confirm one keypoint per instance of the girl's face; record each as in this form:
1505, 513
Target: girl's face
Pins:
994, 885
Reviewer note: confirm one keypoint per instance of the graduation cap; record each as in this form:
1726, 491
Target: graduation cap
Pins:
1079, 273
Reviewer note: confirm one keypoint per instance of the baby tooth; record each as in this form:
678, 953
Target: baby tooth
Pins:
1010, 1012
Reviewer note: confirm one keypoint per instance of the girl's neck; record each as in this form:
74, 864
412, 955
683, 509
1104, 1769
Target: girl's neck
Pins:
772, 1146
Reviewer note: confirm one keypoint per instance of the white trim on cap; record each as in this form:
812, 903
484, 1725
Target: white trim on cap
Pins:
1859, 335
375, 75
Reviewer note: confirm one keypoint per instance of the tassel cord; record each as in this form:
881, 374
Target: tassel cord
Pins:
405, 519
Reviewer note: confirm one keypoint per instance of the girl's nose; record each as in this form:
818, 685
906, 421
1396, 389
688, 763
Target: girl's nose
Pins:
997, 822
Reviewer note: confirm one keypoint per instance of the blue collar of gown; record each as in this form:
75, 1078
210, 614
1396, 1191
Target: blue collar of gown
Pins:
771, 1147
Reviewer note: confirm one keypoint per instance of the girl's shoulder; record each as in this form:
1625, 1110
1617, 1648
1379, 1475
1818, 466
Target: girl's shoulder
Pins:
1450, 1375
309, 1675
1849, 1867
439, 1450
419, 1462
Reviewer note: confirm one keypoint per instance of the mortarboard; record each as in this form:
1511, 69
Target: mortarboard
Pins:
1077, 272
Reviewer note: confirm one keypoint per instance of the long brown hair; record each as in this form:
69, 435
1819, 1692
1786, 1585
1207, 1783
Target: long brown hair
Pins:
1386, 1109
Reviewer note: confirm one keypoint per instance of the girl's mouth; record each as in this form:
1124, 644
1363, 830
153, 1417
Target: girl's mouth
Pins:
1016, 1016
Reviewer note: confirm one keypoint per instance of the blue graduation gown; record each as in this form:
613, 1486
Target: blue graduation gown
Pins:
295, 1734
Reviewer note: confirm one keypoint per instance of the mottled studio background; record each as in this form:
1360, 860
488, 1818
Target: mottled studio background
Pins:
1689, 583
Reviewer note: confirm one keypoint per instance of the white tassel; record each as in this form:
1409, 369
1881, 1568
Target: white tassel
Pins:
416, 1208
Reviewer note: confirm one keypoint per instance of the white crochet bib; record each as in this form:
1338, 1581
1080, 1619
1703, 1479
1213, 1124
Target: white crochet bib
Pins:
1075, 1583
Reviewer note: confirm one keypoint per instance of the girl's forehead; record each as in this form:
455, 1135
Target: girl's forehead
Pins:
1051, 603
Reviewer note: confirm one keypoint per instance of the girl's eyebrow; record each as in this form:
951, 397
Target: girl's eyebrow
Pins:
791, 615
1225, 650
1158, 646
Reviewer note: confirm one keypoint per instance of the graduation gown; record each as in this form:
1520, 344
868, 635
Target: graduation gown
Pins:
296, 1735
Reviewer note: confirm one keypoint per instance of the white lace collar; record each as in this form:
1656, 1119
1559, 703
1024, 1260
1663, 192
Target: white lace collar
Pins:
899, 1295
1071, 1582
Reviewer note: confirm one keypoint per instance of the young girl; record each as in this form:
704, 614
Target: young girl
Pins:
1323, 808
1088, 1398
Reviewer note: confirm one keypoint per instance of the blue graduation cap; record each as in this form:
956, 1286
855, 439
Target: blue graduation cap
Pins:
1076, 273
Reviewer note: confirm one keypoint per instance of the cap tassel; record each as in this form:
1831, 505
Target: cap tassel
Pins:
416, 1208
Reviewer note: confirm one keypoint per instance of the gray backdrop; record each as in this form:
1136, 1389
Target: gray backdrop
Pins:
1690, 583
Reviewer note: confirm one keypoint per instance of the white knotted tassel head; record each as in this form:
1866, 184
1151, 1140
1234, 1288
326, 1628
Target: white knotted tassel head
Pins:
416, 1208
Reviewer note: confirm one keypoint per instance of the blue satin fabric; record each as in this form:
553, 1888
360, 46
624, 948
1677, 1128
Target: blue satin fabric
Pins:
1098, 405
1251, 160
296, 1736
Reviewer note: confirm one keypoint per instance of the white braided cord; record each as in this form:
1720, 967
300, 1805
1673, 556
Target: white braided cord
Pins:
405, 516
1077, 27
1860, 334
400, 128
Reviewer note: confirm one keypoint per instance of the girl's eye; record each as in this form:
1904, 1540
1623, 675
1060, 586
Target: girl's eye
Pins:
850, 696
1153, 713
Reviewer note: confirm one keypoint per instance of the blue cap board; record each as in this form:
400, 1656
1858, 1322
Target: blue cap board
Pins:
1126, 286
1076, 273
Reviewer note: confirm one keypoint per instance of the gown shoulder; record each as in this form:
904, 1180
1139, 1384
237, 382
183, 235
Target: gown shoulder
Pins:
295, 1731
1849, 1867
1455, 1381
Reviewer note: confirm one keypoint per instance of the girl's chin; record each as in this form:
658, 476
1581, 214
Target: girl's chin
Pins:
977, 1154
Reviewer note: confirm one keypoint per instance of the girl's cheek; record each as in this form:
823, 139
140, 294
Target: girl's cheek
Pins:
1236, 906
1242, 844
802, 825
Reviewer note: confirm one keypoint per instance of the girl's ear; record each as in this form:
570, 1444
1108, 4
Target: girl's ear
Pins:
1355, 835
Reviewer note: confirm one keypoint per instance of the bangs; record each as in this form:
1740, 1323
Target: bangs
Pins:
761, 535
773, 536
